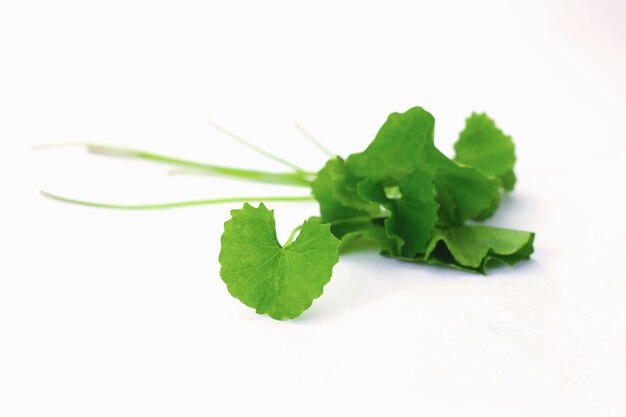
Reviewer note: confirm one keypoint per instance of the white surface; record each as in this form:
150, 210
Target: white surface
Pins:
108, 313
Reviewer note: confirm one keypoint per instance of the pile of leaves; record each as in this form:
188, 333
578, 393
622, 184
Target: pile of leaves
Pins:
401, 193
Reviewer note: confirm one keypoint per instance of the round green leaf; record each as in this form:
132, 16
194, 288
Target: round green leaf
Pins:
280, 281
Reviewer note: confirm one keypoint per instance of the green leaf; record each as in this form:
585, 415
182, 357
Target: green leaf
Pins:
337, 196
412, 207
473, 246
280, 281
367, 231
405, 144
485, 147
352, 217
464, 194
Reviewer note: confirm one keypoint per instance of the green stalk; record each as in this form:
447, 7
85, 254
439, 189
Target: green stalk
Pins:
255, 148
302, 179
176, 204
315, 142
292, 235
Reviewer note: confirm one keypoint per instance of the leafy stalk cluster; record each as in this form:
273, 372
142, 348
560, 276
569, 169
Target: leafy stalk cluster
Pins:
405, 195
400, 193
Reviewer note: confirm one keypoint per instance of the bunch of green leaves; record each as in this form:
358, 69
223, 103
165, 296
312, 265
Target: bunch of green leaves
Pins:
404, 194
401, 193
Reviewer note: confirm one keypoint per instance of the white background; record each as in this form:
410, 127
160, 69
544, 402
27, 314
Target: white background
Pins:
114, 313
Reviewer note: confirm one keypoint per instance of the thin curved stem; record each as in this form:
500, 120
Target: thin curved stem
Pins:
178, 204
254, 147
292, 235
314, 141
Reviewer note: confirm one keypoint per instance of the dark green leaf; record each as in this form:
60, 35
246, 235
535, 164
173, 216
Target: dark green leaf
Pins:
473, 246
337, 196
405, 144
465, 194
413, 210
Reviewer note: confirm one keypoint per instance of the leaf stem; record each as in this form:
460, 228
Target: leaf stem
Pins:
175, 204
292, 235
300, 178
314, 141
254, 147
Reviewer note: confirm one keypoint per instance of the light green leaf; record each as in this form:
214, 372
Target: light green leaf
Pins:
280, 281
485, 147
373, 232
